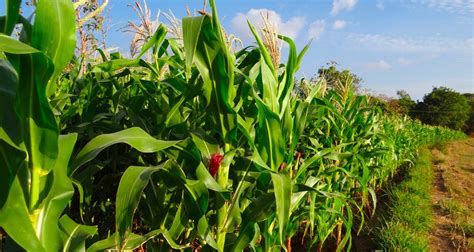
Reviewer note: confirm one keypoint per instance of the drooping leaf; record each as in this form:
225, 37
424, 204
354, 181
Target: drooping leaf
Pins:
156, 39
206, 145
205, 177
135, 137
13, 46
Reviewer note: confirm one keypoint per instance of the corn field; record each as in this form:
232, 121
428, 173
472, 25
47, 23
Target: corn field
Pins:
196, 147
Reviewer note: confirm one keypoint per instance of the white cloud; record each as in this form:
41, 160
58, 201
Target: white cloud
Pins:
404, 61
380, 6
385, 43
377, 66
316, 28
290, 28
340, 5
455, 6
339, 24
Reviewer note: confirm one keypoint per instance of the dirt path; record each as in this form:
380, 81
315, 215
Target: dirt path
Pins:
453, 197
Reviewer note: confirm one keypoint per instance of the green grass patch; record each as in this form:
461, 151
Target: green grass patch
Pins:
409, 216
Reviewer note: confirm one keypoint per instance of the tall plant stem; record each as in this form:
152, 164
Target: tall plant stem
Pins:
222, 179
34, 186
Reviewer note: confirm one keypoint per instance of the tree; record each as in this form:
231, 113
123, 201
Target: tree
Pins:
470, 121
404, 103
443, 107
335, 78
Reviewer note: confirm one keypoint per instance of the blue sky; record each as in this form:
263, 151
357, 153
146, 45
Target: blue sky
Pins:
391, 44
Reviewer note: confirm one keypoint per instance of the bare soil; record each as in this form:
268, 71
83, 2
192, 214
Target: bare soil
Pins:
453, 197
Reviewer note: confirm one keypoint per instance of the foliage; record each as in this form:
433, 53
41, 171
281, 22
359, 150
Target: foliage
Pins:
443, 107
404, 102
196, 147
335, 78
470, 122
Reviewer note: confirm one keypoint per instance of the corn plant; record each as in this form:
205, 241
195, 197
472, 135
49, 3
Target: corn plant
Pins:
195, 146
35, 157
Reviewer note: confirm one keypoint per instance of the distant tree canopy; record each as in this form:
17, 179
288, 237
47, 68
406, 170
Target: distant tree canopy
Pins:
443, 107
470, 121
404, 103
335, 78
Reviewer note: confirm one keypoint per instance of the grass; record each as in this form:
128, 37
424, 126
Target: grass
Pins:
457, 174
409, 217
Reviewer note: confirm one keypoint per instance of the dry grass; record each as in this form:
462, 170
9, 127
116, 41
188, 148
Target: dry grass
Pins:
455, 165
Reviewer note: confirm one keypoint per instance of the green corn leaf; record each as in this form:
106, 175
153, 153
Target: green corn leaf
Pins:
269, 136
283, 189
134, 241
301, 55
13, 13
129, 192
203, 175
74, 235
206, 145
13, 46
206, 232
156, 39
12, 152
38, 125
135, 137
260, 209
54, 32
196, 198
191, 29
297, 197
58, 196
215, 64
339, 156
179, 223
15, 219
263, 50
301, 111
287, 84
174, 117
116, 64
12, 159
267, 84
246, 235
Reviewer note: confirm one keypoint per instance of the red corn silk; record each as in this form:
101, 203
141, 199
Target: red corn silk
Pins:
282, 167
214, 163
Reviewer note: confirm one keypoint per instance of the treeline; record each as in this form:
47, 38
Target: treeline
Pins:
441, 107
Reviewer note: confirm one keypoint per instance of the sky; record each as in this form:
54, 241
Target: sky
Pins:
412, 45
